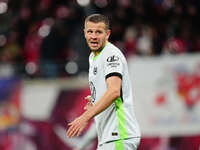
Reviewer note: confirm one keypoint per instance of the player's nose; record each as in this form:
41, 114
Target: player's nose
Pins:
93, 36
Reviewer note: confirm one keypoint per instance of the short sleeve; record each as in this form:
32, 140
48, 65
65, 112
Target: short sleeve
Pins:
113, 66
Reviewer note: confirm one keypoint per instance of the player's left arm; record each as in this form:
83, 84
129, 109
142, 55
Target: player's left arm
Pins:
112, 93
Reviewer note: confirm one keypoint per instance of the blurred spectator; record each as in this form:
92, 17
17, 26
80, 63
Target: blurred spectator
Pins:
175, 45
32, 49
196, 45
144, 41
11, 51
51, 48
130, 41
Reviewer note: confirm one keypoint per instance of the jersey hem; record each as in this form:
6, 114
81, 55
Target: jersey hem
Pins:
118, 139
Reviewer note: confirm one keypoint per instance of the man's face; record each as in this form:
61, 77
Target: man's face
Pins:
96, 35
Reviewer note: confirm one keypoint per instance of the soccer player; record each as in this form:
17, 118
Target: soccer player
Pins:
111, 91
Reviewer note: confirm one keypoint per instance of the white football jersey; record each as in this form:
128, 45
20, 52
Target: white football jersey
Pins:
118, 121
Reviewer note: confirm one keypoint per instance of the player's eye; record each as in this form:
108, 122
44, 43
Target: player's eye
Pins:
98, 32
89, 31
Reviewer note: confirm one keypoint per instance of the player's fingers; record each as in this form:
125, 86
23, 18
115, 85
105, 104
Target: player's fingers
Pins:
88, 98
79, 132
69, 124
75, 132
70, 132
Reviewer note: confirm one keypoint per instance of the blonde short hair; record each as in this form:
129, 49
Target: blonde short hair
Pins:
96, 18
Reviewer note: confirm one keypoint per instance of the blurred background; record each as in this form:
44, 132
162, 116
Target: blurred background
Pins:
44, 68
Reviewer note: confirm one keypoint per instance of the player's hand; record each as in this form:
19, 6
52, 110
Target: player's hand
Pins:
89, 103
77, 126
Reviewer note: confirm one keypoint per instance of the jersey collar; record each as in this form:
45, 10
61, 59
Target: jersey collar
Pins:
95, 57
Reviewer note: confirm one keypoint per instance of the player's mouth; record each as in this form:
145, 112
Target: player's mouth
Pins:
93, 44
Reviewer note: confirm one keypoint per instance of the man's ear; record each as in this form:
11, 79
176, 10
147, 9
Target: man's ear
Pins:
84, 31
108, 34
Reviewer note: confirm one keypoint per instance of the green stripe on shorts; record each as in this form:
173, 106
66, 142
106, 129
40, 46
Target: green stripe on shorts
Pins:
119, 145
121, 118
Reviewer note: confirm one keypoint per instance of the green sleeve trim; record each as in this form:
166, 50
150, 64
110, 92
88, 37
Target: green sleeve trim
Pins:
121, 118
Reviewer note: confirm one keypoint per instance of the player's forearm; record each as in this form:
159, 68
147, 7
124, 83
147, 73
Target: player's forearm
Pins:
106, 100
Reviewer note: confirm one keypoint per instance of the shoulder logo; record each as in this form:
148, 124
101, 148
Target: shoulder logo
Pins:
95, 71
112, 58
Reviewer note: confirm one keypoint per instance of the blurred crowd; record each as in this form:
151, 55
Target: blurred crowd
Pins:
44, 38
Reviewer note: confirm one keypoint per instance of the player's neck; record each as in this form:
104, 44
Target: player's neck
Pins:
97, 52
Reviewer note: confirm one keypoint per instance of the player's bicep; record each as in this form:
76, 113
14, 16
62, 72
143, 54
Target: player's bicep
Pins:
114, 83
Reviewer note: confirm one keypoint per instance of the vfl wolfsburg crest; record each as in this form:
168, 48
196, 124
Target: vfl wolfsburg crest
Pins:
95, 71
